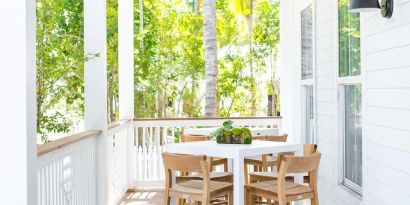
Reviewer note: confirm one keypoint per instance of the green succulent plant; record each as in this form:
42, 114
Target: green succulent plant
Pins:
236, 131
230, 134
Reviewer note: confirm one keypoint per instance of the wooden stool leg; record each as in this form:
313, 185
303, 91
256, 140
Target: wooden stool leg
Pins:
226, 165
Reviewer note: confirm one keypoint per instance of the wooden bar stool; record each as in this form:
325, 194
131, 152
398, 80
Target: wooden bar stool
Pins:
263, 162
203, 191
308, 149
284, 191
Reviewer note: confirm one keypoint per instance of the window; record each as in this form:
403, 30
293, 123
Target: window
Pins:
307, 43
307, 73
350, 96
309, 114
353, 136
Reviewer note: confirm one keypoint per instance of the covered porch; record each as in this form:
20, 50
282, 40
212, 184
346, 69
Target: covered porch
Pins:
120, 162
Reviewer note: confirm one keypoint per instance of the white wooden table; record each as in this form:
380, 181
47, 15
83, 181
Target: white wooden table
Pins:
254, 131
237, 153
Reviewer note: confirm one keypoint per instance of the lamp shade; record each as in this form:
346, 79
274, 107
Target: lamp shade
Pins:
364, 5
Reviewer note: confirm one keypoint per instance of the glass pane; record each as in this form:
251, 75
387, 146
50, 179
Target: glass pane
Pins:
307, 43
349, 41
309, 129
353, 133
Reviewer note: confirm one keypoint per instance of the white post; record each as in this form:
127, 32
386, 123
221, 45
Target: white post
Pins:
95, 83
18, 150
126, 76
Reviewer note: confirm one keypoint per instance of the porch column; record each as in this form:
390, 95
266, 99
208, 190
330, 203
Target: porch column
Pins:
18, 150
95, 83
126, 75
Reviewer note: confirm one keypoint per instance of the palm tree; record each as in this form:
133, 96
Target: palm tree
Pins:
211, 54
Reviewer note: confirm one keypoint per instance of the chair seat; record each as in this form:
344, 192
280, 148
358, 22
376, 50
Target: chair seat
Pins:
271, 187
257, 160
195, 187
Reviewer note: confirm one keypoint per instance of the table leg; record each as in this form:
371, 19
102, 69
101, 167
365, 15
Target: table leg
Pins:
230, 165
299, 177
239, 181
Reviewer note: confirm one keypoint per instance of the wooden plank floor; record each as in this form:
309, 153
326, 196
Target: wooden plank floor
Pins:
151, 198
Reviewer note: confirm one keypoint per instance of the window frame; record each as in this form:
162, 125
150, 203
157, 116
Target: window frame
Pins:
305, 83
341, 82
356, 188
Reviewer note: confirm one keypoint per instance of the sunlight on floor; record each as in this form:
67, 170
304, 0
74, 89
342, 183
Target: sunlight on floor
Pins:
143, 198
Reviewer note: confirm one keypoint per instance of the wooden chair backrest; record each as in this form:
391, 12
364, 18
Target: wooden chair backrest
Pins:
308, 149
272, 138
185, 163
292, 164
192, 138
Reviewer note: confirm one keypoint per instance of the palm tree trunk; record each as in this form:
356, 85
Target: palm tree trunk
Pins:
211, 54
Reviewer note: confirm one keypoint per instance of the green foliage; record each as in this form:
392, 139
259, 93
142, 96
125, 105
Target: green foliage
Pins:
112, 61
169, 59
227, 134
60, 65
236, 131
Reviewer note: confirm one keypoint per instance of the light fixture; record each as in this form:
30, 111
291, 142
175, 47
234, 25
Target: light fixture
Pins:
386, 6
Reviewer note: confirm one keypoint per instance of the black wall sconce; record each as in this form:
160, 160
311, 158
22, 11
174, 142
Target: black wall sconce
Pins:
386, 6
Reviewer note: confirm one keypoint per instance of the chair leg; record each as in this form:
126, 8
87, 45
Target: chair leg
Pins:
314, 201
230, 199
248, 198
245, 171
167, 199
180, 202
264, 168
226, 165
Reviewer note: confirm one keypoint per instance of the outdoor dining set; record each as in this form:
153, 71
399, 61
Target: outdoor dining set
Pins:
268, 170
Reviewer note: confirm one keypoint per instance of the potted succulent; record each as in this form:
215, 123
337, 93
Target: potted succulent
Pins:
228, 134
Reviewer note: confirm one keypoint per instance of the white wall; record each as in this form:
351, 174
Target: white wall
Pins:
386, 101
386, 44
330, 192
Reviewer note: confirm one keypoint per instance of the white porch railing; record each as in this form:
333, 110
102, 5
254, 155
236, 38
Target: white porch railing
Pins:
66, 173
152, 136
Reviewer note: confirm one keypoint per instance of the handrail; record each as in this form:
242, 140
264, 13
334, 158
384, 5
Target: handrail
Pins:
64, 142
117, 123
207, 118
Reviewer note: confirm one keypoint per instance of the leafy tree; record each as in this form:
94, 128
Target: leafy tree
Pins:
60, 66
